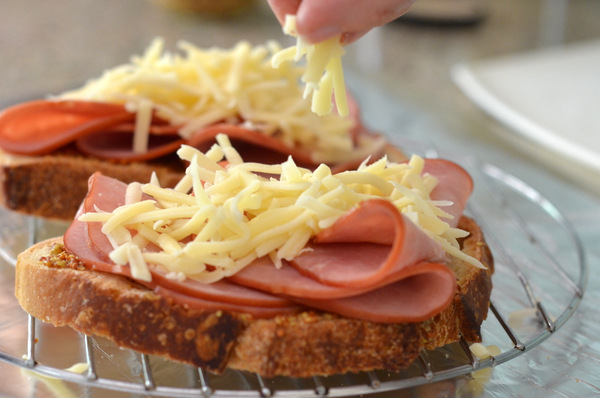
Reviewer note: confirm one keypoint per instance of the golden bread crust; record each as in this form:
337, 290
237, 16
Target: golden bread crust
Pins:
474, 285
311, 344
119, 309
53, 186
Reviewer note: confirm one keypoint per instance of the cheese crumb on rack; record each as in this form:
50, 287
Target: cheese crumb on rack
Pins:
218, 219
483, 352
324, 76
55, 385
475, 386
199, 87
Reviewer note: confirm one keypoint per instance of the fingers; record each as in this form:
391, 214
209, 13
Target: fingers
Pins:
348, 37
283, 7
318, 20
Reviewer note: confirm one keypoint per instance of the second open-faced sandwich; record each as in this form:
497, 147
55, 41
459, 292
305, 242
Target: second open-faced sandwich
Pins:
129, 122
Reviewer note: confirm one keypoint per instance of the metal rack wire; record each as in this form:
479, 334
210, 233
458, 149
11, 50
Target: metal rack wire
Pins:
501, 199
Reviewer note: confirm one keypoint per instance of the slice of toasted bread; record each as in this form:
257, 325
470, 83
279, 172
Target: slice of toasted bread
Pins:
53, 186
54, 287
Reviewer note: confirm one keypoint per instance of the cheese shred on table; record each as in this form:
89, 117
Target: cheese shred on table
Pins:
225, 213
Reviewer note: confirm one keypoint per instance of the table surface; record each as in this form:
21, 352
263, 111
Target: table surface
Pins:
401, 75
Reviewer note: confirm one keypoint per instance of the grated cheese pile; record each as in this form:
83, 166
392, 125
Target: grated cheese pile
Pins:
324, 75
218, 219
199, 87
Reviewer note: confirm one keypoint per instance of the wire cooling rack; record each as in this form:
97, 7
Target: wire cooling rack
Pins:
540, 271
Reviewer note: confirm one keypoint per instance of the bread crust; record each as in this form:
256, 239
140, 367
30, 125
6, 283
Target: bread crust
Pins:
474, 286
115, 307
309, 343
53, 186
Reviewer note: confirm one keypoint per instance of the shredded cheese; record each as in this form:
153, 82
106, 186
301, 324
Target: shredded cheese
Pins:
79, 367
143, 121
57, 387
483, 352
323, 76
219, 219
475, 386
198, 87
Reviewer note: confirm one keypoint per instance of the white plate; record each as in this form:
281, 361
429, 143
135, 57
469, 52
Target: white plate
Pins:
551, 97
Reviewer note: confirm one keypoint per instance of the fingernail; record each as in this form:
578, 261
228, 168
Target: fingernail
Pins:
322, 34
346, 38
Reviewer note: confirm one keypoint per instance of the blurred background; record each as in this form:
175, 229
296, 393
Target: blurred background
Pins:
406, 78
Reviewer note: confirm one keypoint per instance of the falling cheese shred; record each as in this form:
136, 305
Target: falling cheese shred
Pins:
196, 87
219, 219
323, 76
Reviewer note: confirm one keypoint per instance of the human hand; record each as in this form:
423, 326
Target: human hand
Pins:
318, 20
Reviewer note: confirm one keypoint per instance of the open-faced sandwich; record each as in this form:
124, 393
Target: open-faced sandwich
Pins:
276, 269
129, 122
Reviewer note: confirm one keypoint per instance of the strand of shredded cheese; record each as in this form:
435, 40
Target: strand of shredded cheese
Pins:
323, 76
237, 215
199, 87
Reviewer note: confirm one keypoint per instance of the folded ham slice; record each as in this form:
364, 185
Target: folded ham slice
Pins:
40, 127
117, 143
358, 278
370, 245
454, 185
413, 299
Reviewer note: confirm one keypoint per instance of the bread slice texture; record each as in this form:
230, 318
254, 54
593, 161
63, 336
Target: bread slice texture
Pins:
53, 186
55, 288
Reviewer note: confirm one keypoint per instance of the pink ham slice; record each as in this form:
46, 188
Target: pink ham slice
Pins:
410, 300
352, 265
87, 242
219, 292
288, 281
40, 127
372, 281
454, 184
203, 304
117, 144
396, 244
413, 299
385, 258
379, 222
